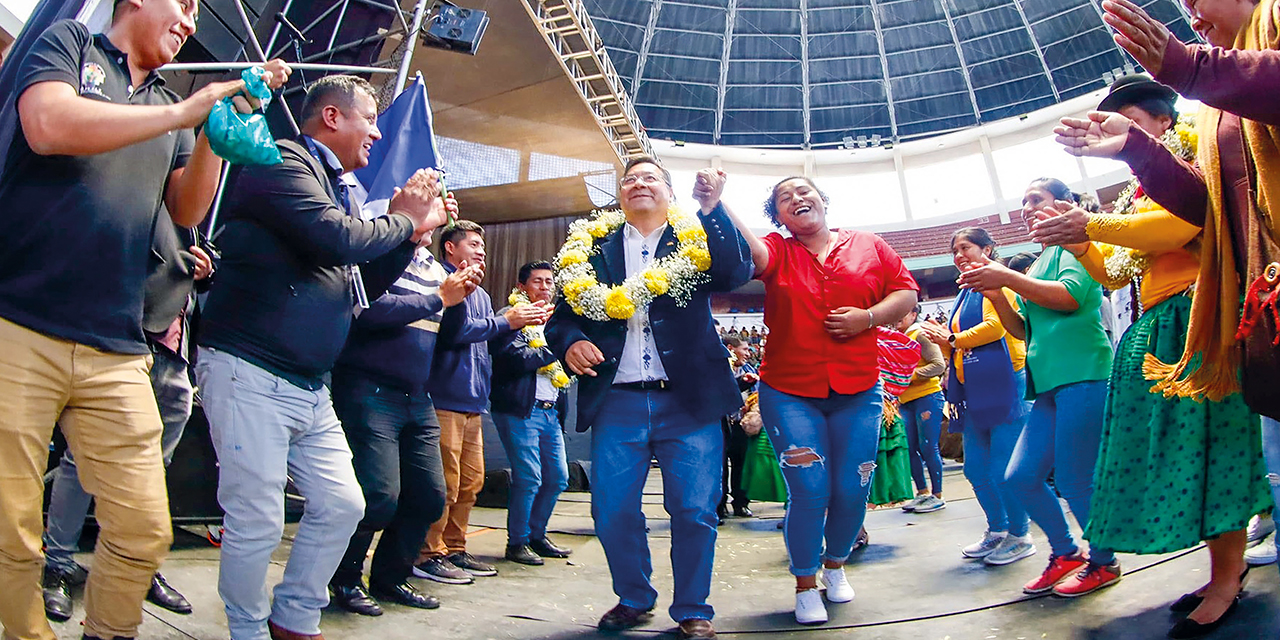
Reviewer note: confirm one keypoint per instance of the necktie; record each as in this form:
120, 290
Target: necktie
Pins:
646, 356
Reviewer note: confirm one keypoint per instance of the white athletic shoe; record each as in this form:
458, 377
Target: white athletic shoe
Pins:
1012, 549
1260, 554
809, 607
982, 548
1259, 528
838, 587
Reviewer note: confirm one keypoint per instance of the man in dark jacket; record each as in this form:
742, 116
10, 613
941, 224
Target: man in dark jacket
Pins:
656, 385
272, 330
528, 402
459, 387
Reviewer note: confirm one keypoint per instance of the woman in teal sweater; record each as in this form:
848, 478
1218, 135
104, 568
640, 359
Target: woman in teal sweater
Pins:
1068, 364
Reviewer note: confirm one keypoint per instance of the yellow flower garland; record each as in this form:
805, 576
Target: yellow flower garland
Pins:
676, 274
537, 339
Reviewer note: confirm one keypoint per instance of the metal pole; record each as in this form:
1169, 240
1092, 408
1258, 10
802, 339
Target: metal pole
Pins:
412, 42
303, 66
338, 24
262, 56
217, 199
271, 43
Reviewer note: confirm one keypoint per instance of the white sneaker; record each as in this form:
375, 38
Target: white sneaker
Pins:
1011, 549
809, 607
1259, 528
1258, 555
930, 504
838, 587
990, 542
915, 502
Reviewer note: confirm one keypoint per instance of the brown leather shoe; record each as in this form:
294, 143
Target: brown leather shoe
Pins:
623, 617
695, 628
280, 633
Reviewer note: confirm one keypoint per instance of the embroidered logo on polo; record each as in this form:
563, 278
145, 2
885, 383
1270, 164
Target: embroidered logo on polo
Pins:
91, 78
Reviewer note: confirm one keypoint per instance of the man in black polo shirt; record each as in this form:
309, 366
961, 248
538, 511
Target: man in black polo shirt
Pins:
101, 144
273, 328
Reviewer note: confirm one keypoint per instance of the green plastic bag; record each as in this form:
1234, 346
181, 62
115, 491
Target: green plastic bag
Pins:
243, 138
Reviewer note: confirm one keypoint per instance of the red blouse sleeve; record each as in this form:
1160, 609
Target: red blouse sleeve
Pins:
896, 276
776, 245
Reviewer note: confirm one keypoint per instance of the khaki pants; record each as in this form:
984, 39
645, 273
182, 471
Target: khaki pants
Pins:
462, 453
107, 410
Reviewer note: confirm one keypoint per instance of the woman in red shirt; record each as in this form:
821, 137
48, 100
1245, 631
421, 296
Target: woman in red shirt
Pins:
819, 382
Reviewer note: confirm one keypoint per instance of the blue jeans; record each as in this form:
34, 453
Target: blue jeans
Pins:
1271, 449
827, 450
266, 430
395, 449
923, 420
539, 471
987, 449
633, 427
69, 502
1062, 435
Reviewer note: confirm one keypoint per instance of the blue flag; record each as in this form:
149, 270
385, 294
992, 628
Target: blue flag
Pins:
407, 145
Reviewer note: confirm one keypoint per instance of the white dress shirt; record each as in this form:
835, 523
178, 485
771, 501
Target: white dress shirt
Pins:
544, 390
640, 361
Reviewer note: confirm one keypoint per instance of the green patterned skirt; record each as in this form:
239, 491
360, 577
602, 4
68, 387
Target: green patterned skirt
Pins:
892, 480
1171, 471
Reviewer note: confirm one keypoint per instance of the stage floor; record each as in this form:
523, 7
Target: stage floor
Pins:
911, 582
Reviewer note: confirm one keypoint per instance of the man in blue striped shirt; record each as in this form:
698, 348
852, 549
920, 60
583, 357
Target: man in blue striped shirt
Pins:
381, 396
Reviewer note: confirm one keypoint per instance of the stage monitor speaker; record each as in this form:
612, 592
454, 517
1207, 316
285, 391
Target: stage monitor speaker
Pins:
457, 28
221, 35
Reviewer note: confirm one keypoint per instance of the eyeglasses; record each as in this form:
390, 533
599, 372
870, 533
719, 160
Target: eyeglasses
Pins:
647, 179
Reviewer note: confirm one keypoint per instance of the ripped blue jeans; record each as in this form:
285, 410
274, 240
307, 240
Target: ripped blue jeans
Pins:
827, 450
1271, 448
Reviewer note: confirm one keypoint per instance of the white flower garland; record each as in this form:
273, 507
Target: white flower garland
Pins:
535, 335
676, 274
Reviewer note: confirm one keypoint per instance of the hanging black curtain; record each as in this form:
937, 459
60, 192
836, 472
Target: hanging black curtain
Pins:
45, 14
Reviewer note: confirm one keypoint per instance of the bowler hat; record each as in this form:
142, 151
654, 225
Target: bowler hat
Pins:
1133, 89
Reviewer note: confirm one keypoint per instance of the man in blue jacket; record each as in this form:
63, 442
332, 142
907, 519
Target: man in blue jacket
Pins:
528, 401
459, 387
656, 385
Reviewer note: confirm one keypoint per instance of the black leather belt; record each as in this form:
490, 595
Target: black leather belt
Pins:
544, 404
645, 385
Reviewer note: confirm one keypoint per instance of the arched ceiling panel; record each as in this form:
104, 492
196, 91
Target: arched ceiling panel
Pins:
795, 73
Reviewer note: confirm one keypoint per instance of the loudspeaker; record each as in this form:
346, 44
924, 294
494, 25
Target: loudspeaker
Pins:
457, 28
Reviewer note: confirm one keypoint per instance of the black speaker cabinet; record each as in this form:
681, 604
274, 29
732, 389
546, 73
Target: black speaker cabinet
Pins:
458, 28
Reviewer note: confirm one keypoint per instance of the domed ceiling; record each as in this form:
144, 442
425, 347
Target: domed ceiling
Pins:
821, 73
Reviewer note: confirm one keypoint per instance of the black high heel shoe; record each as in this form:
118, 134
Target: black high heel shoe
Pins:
1189, 601
1188, 628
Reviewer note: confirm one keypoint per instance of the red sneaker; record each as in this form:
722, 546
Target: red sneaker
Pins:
1059, 568
1094, 577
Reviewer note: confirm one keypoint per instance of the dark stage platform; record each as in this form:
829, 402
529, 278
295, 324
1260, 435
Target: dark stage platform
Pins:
912, 583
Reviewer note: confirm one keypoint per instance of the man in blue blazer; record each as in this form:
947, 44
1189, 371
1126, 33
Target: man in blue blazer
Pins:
656, 385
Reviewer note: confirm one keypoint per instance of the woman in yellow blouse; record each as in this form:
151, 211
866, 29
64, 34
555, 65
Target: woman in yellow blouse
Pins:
921, 410
981, 351
1171, 471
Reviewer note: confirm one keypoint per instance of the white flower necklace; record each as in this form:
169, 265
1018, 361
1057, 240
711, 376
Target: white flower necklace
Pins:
535, 335
676, 274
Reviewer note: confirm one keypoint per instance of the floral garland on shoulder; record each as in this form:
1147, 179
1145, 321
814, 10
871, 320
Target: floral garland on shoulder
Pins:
536, 336
676, 274
1123, 263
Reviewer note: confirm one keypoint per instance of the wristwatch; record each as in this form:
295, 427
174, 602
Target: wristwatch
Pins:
951, 339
